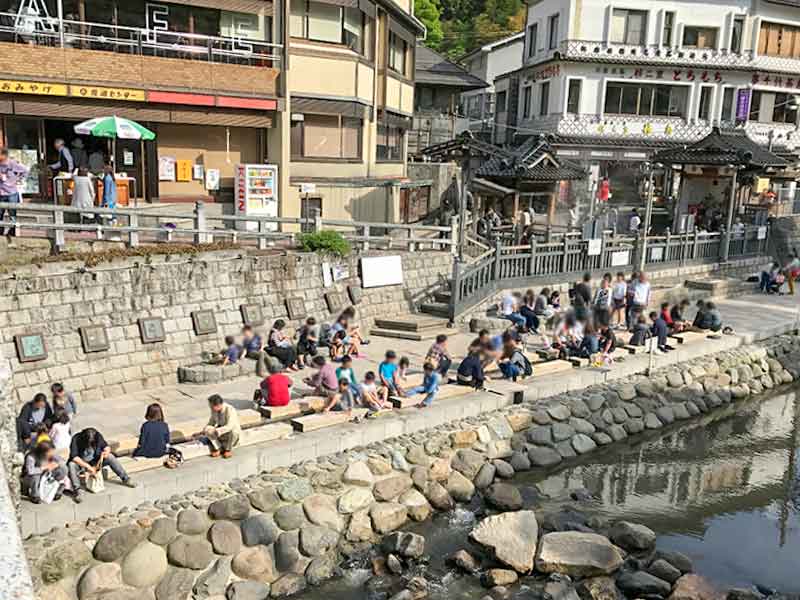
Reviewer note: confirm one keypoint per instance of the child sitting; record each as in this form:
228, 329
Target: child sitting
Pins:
342, 400
641, 332
402, 369
429, 387
275, 390
388, 373
63, 400
373, 397
346, 372
61, 430
307, 341
229, 356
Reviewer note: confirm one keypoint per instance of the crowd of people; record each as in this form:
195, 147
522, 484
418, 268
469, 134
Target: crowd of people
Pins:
781, 280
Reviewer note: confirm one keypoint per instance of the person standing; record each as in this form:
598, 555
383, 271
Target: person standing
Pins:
635, 222
109, 190
84, 193
641, 296
11, 172
65, 163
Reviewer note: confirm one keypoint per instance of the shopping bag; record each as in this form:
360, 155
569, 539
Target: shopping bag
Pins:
48, 488
95, 483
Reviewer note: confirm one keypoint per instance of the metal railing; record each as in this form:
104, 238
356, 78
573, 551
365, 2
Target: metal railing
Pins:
47, 31
134, 227
520, 266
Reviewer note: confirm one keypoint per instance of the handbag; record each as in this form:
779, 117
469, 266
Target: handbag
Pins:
95, 483
48, 488
174, 458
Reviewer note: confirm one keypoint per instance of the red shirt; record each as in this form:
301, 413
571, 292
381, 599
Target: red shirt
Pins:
667, 317
277, 389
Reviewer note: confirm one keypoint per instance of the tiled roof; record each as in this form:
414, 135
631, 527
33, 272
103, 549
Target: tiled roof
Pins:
721, 147
534, 160
434, 69
591, 142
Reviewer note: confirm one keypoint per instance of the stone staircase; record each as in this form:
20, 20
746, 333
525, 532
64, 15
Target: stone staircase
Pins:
439, 306
414, 327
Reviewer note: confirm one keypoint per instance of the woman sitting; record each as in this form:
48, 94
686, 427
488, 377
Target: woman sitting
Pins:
281, 347
154, 434
42, 462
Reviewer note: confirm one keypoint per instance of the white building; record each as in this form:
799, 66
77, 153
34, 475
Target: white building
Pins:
488, 63
612, 81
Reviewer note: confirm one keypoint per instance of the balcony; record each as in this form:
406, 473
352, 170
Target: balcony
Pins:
97, 53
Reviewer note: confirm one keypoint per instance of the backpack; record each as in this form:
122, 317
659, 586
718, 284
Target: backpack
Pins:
324, 335
520, 359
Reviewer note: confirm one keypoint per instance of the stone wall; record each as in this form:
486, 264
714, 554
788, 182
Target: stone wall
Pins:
56, 299
276, 532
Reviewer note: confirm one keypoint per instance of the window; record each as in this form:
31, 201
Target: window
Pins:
574, 96
775, 39
501, 102
544, 98
398, 49
526, 102
704, 105
329, 23
533, 34
727, 105
699, 37
737, 31
326, 136
771, 107
553, 33
668, 28
646, 99
629, 27
390, 143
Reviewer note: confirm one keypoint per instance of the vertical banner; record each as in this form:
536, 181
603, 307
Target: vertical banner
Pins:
742, 105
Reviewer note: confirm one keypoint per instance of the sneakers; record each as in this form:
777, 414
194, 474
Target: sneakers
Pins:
76, 497
227, 454
129, 483
214, 454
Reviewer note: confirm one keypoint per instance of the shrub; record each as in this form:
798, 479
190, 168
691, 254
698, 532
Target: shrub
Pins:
325, 242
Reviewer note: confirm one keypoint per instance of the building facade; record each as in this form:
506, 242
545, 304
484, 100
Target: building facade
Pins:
488, 63
612, 81
321, 88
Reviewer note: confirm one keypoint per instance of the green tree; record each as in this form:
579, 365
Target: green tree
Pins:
428, 12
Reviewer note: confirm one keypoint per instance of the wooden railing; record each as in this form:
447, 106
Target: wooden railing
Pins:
521, 266
134, 227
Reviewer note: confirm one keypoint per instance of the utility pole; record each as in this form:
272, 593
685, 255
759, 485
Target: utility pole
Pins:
729, 223
648, 215
462, 204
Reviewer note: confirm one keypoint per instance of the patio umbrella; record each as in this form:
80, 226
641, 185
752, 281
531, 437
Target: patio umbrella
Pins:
114, 127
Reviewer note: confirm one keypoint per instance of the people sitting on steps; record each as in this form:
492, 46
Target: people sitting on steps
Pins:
223, 431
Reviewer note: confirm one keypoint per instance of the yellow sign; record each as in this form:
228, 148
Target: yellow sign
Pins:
40, 88
106, 93
184, 170
762, 185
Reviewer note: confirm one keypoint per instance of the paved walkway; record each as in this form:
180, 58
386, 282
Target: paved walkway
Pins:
754, 317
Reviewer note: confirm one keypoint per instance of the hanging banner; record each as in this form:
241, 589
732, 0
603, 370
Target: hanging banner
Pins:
743, 105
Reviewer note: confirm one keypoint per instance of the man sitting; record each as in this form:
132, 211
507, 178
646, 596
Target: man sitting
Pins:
223, 429
470, 371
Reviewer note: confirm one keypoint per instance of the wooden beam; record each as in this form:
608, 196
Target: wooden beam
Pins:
323, 420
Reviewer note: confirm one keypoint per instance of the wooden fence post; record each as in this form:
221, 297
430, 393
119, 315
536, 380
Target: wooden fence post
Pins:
133, 235
497, 264
532, 265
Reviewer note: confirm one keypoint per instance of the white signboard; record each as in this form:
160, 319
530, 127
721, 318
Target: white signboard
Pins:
166, 168
595, 246
198, 172
212, 179
339, 272
308, 188
620, 258
379, 271
762, 232
656, 254
327, 275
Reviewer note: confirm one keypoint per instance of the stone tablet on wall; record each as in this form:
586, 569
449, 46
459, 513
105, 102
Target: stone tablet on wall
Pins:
204, 322
336, 301
94, 338
296, 307
152, 330
252, 314
354, 292
30, 347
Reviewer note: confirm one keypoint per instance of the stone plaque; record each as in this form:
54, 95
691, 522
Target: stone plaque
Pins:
30, 347
252, 314
94, 338
152, 330
204, 322
354, 292
336, 301
296, 307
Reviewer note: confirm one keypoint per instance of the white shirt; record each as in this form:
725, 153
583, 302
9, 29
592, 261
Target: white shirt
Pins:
620, 290
633, 224
508, 304
60, 435
641, 294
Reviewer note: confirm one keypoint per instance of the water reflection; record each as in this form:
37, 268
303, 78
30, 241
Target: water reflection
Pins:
725, 490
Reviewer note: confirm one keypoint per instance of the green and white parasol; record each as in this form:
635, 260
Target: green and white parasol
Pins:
114, 127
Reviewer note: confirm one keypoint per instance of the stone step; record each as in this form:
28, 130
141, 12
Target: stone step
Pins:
296, 408
451, 390
439, 309
513, 390
414, 336
323, 420
720, 288
552, 366
442, 296
410, 323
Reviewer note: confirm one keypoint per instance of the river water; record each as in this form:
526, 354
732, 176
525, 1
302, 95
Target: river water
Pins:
724, 489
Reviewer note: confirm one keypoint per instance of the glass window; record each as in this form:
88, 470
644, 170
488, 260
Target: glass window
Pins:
501, 101
613, 96
669, 27
297, 19
544, 98
533, 34
398, 50
574, 96
646, 99
351, 137
629, 26
247, 26
727, 105
700, 37
630, 100
526, 102
553, 33
354, 29
755, 105
785, 109
704, 105
736, 34
390, 143
326, 136
324, 22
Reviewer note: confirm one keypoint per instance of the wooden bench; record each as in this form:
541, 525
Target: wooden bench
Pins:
296, 408
552, 366
323, 420
505, 387
686, 337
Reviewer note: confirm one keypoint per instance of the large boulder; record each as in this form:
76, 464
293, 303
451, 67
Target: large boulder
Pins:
388, 516
405, 544
117, 542
438, 497
638, 583
355, 499
265, 499
503, 496
247, 590
632, 536
542, 456
693, 587
225, 537
511, 537
257, 564
322, 510
468, 463
145, 565
295, 490
459, 487
193, 522
163, 531
190, 552
577, 554
99, 579
176, 584
391, 487
288, 517
358, 473
233, 508
62, 560
599, 588
418, 507
259, 529
317, 541
288, 585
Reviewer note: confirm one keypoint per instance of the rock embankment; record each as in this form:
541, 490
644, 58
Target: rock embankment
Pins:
274, 533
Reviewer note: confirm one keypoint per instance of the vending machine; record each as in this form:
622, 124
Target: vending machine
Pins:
256, 194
